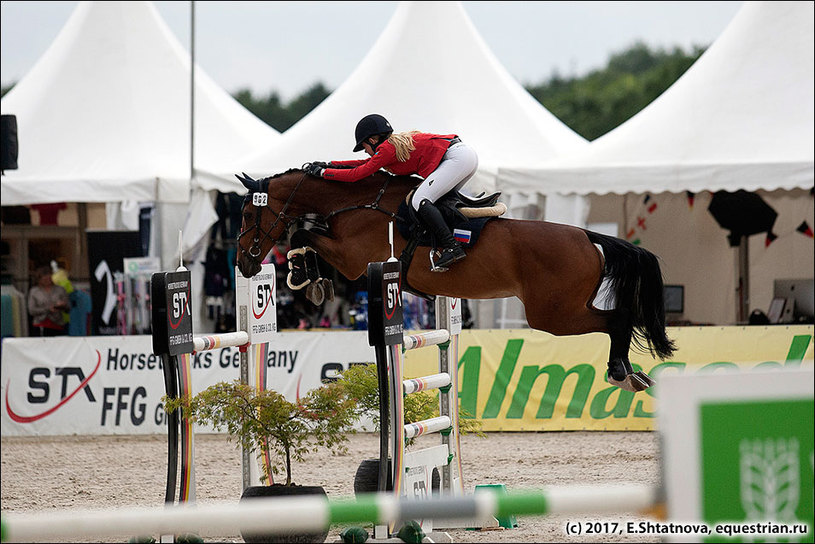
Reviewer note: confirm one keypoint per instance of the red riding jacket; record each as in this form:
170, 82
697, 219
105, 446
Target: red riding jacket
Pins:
430, 148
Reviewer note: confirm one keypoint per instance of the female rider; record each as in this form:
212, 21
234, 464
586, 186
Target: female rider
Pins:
444, 161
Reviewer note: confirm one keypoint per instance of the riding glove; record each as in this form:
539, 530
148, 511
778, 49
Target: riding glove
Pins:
313, 169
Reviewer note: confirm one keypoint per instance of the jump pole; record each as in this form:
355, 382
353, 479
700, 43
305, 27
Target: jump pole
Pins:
308, 513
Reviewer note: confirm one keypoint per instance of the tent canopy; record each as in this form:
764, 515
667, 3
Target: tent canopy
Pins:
429, 70
104, 115
740, 118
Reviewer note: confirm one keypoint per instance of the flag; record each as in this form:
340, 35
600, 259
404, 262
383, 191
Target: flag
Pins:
690, 196
770, 238
462, 235
805, 229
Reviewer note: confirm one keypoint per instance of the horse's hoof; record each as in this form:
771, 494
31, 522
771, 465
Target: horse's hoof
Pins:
639, 381
645, 378
315, 293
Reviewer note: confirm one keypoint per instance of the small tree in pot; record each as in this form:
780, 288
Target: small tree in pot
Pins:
323, 418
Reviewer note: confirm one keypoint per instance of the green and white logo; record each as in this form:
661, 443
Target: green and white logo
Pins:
757, 464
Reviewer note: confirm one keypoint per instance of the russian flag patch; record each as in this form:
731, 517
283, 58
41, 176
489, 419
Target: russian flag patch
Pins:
462, 236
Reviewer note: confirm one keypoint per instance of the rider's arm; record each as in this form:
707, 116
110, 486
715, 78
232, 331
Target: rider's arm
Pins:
347, 164
385, 155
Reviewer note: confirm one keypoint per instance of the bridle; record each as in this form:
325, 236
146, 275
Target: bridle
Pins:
259, 197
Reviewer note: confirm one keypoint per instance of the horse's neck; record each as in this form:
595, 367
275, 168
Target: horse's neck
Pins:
358, 236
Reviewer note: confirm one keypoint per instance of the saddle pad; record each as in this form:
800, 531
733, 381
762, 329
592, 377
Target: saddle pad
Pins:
465, 231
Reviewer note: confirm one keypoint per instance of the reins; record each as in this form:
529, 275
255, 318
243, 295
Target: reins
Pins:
372, 206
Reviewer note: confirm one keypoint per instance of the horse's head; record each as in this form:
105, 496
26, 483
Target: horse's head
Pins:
264, 222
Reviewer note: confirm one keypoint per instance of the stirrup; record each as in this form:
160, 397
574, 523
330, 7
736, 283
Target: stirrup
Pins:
442, 265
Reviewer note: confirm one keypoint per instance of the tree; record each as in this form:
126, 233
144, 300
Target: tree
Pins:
602, 100
323, 418
273, 112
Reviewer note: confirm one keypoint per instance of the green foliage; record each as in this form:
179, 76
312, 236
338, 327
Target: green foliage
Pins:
321, 419
604, 99
274, 113
361, 385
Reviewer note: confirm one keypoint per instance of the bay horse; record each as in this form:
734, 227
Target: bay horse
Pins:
556, 270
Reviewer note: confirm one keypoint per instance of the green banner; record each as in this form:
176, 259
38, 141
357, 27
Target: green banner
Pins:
524, 380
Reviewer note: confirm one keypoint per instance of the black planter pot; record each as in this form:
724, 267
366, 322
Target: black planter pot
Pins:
279, 490
366, 480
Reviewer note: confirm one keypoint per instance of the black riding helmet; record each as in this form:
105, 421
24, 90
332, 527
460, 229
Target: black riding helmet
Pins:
371, 125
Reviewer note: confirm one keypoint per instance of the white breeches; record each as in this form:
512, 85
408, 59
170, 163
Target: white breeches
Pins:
455, 169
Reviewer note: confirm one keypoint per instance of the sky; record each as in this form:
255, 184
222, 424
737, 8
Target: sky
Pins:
286, 47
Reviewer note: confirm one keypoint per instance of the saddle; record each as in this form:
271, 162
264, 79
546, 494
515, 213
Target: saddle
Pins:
464, 215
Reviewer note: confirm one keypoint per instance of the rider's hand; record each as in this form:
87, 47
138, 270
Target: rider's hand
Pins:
313, 169
322, 164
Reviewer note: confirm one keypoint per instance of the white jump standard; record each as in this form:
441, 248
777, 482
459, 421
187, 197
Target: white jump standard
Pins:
412, 472
173, 340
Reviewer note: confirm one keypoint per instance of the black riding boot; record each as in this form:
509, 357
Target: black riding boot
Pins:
451, 249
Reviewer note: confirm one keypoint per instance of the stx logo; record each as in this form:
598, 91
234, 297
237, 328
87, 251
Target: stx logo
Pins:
264, 299
180, 306
40, 389
392, 299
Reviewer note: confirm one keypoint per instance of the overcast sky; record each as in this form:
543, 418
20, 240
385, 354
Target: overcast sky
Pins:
288, 46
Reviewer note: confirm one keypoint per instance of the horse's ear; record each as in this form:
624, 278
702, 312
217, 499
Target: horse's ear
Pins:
252, 184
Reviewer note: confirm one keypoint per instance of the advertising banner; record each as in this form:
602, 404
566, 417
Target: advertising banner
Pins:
115, 385
512, 380
524, 380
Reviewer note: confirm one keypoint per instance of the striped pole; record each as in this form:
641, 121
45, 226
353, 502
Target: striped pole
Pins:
224, 340
420, 340
432, 425
434, 381
312, 513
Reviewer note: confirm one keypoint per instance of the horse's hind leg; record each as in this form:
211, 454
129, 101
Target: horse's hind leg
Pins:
620, 371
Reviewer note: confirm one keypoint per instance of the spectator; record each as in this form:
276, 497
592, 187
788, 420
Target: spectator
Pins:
46, 304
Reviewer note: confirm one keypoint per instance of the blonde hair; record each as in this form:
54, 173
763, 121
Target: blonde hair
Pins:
403, 143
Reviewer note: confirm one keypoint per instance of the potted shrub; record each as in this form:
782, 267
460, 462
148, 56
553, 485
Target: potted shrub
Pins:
323, 418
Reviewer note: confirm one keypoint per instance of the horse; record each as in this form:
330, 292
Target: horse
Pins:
556, 270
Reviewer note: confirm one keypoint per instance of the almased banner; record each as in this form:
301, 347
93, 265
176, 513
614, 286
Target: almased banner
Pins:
512, 380
523, 380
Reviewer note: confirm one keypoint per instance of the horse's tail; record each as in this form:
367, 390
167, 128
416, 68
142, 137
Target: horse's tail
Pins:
636, 281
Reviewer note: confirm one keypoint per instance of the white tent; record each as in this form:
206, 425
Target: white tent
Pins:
429, 70
740, 118
104, 115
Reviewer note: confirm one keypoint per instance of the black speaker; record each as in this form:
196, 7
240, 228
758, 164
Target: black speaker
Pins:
8, 140
742, 213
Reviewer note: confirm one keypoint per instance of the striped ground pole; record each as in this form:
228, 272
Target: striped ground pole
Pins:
310, 513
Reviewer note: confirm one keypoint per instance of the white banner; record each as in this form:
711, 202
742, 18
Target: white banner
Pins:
106, 385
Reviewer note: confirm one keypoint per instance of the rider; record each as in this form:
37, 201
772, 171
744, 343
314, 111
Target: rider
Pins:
444, 161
